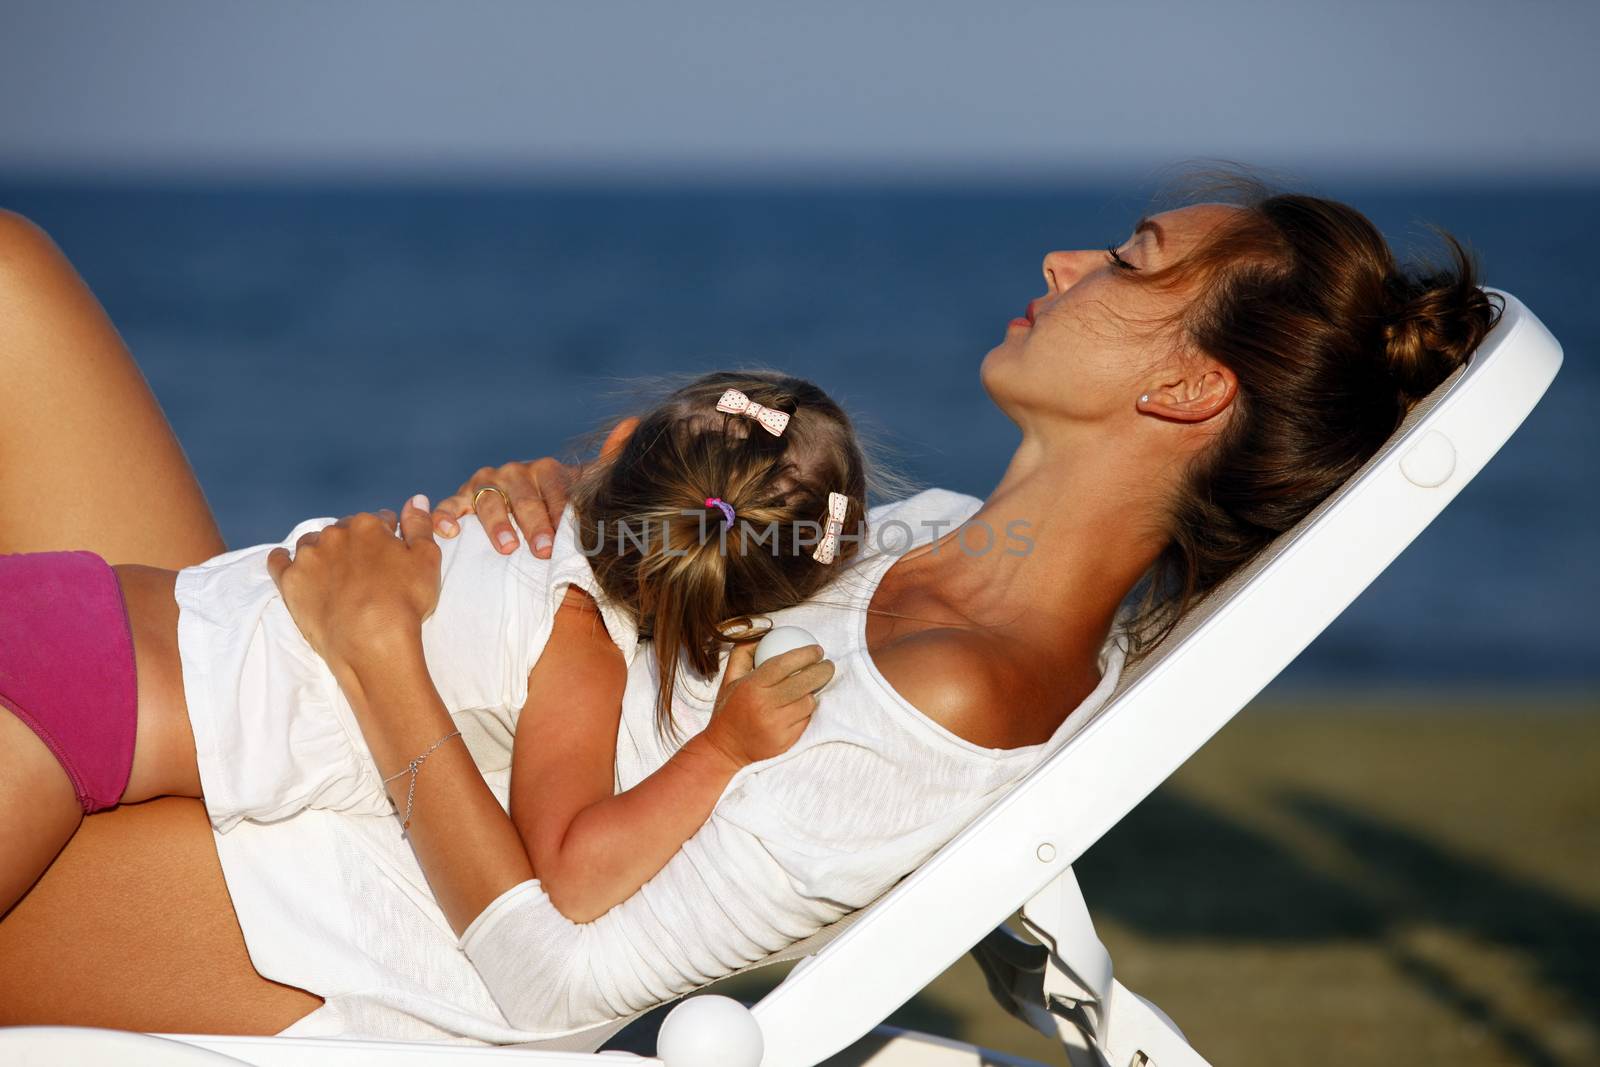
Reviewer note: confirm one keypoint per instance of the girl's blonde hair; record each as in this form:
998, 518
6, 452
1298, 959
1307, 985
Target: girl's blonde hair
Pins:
658, 550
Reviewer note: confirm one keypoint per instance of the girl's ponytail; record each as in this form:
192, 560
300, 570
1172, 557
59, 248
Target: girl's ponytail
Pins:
659, 510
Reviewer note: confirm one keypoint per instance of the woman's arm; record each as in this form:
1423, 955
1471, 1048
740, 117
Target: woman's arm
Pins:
360, 595
467, 846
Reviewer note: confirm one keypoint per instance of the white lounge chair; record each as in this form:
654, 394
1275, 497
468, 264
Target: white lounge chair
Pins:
1020, 852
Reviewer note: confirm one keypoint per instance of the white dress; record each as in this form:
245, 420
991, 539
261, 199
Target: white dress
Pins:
336, 904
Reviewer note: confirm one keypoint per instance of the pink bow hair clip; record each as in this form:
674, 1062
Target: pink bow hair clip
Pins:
736, 403
838, 507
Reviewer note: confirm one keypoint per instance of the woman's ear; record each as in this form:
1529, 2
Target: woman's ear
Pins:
1204, 391
618, 437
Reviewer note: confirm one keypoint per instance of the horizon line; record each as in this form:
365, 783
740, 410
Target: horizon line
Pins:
601, 175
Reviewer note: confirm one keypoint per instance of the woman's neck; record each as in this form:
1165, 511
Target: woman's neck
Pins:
1054, 548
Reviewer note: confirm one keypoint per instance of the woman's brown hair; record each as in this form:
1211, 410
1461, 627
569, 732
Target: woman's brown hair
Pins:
1332, 341
656, 547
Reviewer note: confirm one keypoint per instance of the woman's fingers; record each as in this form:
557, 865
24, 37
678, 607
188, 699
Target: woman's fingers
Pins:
531, 496
278, 561
538, 492
534, 514
447, 515
496, 520
416, 524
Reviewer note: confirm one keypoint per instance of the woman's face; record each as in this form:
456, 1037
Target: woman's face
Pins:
1086, 350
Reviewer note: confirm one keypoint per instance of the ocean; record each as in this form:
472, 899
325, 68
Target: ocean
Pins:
325, 350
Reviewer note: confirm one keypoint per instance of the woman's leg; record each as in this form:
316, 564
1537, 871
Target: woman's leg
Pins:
87, 459
132, 925
132, 928
39, 809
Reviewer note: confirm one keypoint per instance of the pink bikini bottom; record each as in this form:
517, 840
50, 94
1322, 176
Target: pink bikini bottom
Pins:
67, 667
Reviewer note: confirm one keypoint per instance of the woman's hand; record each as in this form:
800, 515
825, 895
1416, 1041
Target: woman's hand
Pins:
537, 492
760, 713
353, 586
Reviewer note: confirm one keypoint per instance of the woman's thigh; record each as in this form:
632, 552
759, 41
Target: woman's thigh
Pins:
87, 459
132, 928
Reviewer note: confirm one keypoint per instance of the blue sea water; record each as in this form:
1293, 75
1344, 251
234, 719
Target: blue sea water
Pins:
323, 350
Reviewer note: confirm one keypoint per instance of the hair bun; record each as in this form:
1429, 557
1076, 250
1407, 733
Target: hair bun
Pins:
1437, 320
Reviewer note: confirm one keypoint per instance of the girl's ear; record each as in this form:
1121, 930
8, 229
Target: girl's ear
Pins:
618, 437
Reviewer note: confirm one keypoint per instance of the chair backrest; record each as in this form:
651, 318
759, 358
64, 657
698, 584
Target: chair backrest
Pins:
1219, 656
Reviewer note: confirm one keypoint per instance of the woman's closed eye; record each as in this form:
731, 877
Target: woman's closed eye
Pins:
1113, 254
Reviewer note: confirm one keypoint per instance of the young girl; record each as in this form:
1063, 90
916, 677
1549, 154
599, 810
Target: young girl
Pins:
704, 513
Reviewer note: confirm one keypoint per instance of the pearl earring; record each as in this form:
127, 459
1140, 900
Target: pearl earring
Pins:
1145, 399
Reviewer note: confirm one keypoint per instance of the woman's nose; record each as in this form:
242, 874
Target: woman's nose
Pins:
1063, 269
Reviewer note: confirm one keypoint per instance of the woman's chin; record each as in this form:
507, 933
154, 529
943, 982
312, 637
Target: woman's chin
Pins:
986, 370
999, 367
995, 374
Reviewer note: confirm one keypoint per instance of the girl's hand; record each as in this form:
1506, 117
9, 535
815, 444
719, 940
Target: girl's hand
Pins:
354, 586
761, 712
536, 490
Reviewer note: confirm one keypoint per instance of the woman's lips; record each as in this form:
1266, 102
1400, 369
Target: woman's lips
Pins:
1027, 317
1024, 323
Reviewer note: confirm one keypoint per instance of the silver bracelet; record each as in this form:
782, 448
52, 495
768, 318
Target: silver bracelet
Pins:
413, 766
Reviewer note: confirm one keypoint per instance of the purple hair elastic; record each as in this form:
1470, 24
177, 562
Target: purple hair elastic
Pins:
725, 507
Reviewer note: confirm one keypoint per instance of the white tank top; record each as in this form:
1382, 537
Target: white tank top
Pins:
338, 906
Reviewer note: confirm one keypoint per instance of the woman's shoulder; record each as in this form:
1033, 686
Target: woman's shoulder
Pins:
998, 690
960, 679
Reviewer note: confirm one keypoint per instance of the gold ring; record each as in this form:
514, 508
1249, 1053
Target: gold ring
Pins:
491, 489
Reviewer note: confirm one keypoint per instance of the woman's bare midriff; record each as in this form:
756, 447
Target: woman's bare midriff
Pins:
163, 755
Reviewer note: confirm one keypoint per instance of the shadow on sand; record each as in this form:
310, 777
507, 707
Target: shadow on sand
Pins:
1238, 884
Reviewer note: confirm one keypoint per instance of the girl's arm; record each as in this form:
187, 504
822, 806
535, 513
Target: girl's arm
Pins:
592, 849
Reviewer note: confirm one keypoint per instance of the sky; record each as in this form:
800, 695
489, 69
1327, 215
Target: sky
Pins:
488, 88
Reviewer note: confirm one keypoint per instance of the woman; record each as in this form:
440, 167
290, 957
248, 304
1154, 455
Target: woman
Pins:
1182, 397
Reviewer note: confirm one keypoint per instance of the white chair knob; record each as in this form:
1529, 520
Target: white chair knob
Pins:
781, 639
710, 1031
1430, 461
